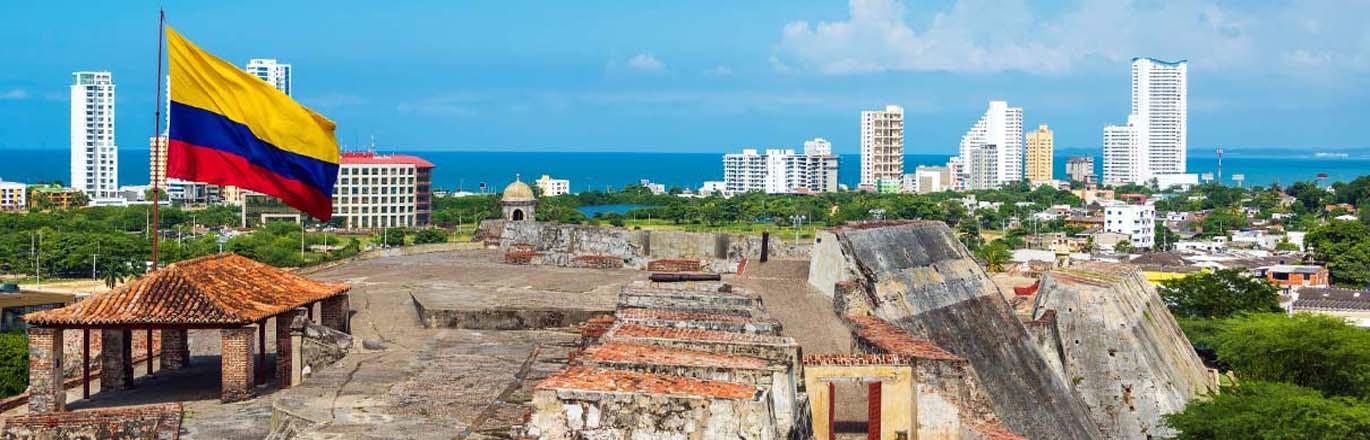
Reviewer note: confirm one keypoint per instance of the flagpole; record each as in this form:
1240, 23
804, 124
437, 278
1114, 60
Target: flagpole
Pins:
163, 143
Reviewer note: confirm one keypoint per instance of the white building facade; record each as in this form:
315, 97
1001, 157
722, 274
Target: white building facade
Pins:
992, 150
1158, 124
553, 187
1136, 221
882, 148
777, 171
929, 179
94, 156
13, 196
277, 74
382, 191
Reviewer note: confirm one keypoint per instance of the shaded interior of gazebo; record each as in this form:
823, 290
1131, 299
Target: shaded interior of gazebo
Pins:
229, 293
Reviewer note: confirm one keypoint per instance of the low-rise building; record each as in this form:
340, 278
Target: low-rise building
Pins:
1351, 305
1136, 221
1294, 275
55, 196
373, 191
929, 179
713, 188
553, 187
13, 196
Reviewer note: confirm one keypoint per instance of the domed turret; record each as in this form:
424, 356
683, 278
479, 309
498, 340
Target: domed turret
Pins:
518, 201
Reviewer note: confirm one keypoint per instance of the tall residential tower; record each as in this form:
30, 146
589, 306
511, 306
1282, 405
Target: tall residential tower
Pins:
882, 148
992, 150
94, 157
1038, 166
1157, 127
271, 71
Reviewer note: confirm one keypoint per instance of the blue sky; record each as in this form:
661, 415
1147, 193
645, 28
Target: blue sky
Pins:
712, 76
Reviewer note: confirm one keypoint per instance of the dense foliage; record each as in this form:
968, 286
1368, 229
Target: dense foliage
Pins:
1345, 247
1219, 294
14, 363
1316, 351
1265, 410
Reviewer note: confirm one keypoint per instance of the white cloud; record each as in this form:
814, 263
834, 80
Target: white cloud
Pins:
645, 62
718, 71
1009, 35
779, 66
14, 95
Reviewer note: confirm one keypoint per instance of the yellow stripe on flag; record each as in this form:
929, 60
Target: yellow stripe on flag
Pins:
206, 82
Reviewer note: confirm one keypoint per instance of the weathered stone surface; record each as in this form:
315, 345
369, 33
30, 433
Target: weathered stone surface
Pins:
919, 277
1120, 348
322, 346
568, 245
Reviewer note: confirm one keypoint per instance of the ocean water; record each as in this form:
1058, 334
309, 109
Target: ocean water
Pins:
466, 170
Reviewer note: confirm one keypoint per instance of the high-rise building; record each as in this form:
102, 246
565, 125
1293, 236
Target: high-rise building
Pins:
94, 157
1081, 169
882, 148
1038, 165
781, 170
1158, 142
1122, 155
157, 161
271, 71
992, 150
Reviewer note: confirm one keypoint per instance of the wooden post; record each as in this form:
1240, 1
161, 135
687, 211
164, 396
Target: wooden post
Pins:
149, 351
765, 245
85, 363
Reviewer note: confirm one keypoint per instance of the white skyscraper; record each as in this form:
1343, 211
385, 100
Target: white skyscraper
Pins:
882, 148
94, 157
992, 150
272, 72
1159, 124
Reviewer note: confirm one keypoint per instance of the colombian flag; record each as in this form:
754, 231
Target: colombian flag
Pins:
229, 127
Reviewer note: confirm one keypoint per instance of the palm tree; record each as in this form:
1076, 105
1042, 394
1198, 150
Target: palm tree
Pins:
116, 272
995, 256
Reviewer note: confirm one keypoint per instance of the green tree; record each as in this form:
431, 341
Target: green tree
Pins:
430, 235
1219, 294
1264, 410
117, 272
14, 364
391, 237
1317, 351
995, 255
1123, 247
1221, 220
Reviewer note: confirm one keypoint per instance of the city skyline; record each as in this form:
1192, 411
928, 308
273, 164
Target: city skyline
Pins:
790, 73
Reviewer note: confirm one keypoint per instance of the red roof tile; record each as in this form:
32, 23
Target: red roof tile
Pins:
625, 353
223, 289
361, 157
895, 340
621, 381
642, 331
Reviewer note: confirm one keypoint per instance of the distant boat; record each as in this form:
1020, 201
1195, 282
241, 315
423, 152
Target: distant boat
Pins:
1331, 155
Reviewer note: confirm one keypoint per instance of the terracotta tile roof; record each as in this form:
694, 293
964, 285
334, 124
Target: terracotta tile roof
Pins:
626, 353
596, 326
621, 381
895, 340
219, 289
855, 359
642, 331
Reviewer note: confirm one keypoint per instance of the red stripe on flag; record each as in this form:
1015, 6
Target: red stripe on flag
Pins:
209, 165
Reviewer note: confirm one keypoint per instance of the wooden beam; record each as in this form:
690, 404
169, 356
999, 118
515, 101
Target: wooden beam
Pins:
85, 363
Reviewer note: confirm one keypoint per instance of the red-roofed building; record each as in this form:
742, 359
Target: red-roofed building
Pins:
382, 191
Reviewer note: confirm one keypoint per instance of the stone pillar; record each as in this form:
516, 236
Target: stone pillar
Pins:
334, 313
175, 349
285, 347
116, 359
236, 362
46, 393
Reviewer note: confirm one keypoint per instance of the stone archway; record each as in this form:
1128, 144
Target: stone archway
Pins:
517, 215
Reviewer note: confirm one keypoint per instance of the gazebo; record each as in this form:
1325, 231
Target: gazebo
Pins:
231, 293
